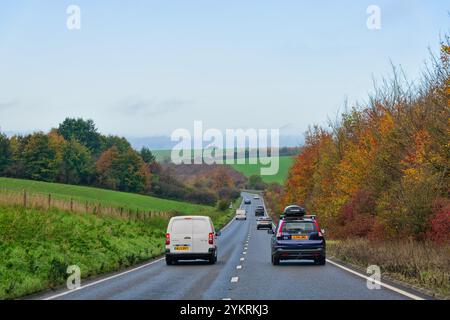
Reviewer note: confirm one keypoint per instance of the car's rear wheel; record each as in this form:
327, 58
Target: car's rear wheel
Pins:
169, 261
321, 261
275, 260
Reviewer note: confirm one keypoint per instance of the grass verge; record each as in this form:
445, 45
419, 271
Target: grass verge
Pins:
425, 265
37, 245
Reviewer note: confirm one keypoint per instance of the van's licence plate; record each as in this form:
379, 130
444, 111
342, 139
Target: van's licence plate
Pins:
181, 248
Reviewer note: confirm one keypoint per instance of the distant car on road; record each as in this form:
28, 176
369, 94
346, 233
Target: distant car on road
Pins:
191, 238
297, 237
259, 211
247, 201
241, 214
256, 197
263, 223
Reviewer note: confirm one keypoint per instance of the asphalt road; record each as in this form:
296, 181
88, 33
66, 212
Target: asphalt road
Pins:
243, 271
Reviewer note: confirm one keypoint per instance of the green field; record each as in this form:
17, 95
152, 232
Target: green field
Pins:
254, 169
247, 169
102, 196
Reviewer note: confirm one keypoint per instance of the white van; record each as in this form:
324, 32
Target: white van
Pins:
191, 238
241, 214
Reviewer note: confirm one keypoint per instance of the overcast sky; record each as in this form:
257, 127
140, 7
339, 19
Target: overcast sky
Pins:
143, 68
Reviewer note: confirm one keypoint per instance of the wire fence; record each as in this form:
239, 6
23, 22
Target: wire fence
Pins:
48, 201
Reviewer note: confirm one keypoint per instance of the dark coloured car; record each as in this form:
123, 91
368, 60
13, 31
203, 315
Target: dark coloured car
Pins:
259, 211
298, 238
247, 201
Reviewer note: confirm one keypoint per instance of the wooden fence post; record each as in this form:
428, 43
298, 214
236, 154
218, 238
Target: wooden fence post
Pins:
49, 200
25, 198
71, 204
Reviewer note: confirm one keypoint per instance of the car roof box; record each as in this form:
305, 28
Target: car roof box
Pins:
294, 211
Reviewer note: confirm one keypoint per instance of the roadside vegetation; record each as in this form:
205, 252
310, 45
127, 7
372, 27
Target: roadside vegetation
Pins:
37, 245
378, 178
424, 265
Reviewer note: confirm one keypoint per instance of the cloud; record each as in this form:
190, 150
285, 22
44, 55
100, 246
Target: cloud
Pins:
140, 107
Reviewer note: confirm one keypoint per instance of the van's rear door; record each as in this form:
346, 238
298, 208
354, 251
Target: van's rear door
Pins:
181, 236
201, 230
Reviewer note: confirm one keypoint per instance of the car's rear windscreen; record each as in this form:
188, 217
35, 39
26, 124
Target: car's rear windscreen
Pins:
298, 227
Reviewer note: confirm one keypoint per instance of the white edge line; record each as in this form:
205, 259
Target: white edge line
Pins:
102, 280
400, 291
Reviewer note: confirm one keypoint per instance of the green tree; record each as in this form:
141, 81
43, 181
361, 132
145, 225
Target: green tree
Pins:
147, 155
77, 164
110, 141
133, 173
84, 131
255, 182
40, 158
5, 153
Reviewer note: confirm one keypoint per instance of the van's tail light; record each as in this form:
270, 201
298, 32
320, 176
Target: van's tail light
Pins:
167, 238
211, 238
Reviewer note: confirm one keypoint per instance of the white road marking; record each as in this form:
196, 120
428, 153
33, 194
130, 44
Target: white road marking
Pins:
400, 291
239, 267
226, 299
102, 280
242, 259
245, 252
234, 279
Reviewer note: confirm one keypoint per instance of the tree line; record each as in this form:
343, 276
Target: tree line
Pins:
382, 170
76, 153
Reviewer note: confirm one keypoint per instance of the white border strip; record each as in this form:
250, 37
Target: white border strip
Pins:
402, 292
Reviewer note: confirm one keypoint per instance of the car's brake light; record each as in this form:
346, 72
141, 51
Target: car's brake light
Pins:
211, 238
167, 238
280, 229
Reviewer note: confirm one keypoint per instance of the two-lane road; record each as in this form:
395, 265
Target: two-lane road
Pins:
243, 271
